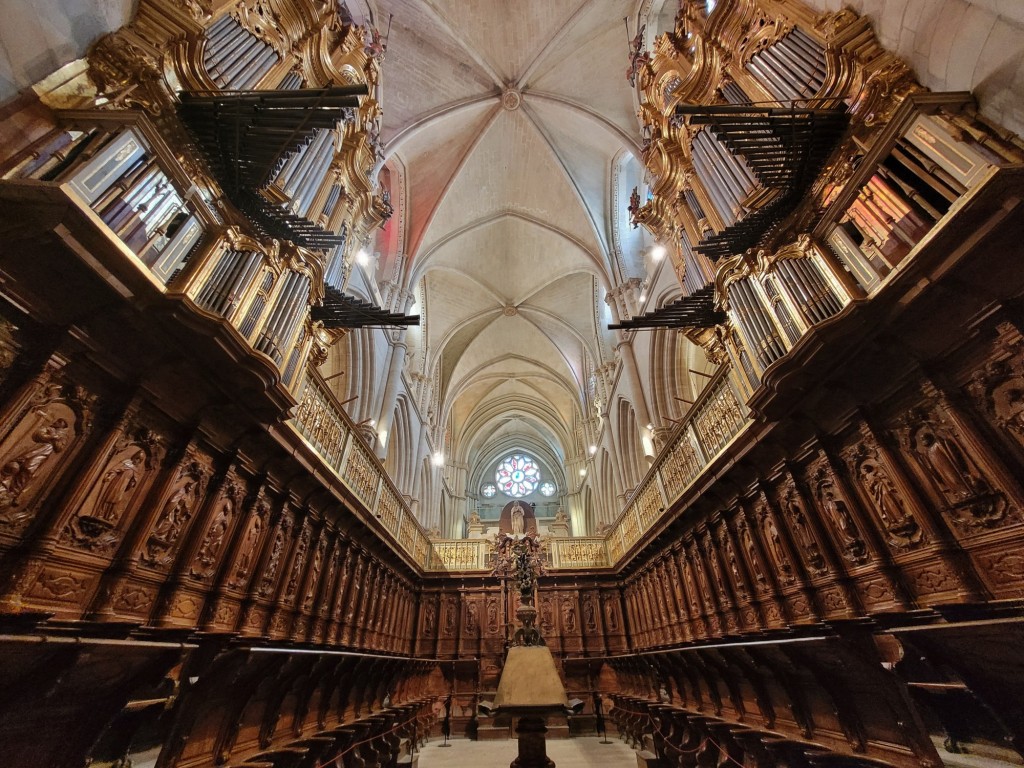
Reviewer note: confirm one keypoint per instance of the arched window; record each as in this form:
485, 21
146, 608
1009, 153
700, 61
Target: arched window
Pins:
517, 475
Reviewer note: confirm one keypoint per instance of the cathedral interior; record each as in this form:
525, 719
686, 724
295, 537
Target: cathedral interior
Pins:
307, 305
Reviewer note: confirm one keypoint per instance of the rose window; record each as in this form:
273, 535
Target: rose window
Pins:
548, 489
488, 490
517, 476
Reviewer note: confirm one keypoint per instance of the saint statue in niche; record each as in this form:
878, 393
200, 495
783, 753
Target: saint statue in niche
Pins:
428, 620
845, 527
248, 550
270, 572
117, 483
613, 616
902, 528
518, 520
176, 513
492, 616
210, 549
449, 618
18, 472
569, 616
948, 466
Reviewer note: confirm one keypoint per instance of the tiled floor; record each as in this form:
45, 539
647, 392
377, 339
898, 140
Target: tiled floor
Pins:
579, 752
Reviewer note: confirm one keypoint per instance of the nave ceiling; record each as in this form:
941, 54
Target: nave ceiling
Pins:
508, 129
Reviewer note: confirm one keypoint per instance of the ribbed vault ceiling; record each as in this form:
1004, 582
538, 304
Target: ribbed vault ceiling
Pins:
506, 122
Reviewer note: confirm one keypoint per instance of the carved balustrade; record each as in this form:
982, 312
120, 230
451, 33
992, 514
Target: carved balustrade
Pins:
579, 552
327, 429
707, 429
459, 555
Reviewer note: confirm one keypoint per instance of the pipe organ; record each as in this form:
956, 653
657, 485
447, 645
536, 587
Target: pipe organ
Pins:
235, 58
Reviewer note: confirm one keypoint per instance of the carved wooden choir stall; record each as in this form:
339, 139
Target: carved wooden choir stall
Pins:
202, 560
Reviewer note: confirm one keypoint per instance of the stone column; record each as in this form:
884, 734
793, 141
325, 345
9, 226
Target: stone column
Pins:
387, 408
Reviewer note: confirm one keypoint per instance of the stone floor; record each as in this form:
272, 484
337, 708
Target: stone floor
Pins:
577, 752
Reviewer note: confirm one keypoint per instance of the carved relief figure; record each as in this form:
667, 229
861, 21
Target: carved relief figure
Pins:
318, 564
611, 614
429, 619
691, 586
730, 556
716, 568
838, 514
569, 616
492, 616
300, 560
205, 561
589, 619
116, 484
702, 579
247, 550
773, 539
18, 471
173, 517
472, 620
449, 617
332, 570
106, 503
974, 503
903, 531
793, 508
751, 549
546, 616
273, 562
946, 464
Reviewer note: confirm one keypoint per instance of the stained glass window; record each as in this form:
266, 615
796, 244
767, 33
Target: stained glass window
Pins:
548, 489
517, 475
488, 490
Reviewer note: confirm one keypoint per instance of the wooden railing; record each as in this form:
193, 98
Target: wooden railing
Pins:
579, 552
327, 429
708, 427
460, 555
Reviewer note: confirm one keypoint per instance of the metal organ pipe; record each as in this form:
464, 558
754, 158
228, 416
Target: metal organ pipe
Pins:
230, 278
792, 68
234, 57
760, 328
293, 299
804, 296
710, 178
